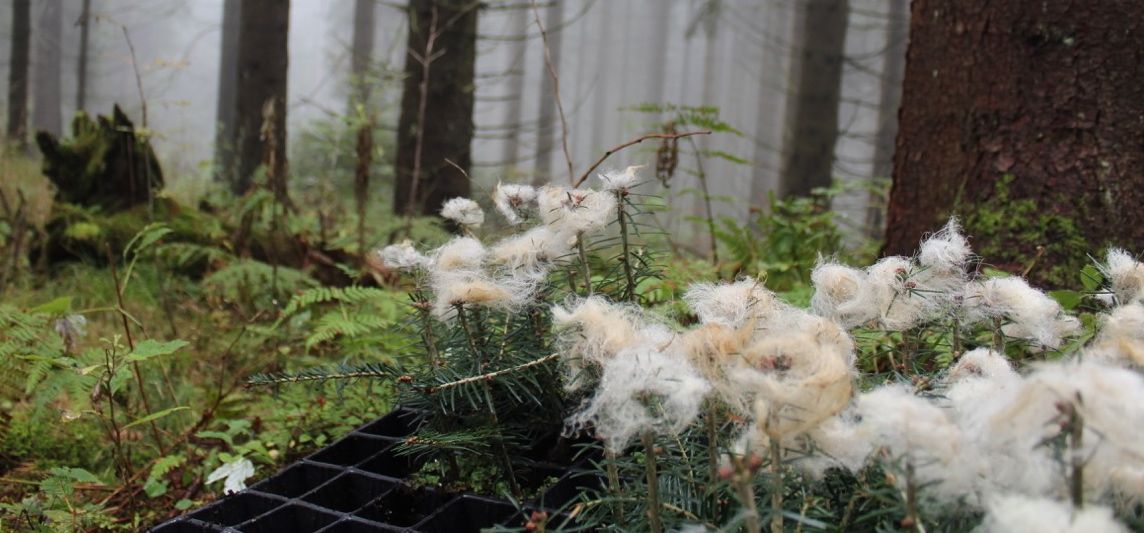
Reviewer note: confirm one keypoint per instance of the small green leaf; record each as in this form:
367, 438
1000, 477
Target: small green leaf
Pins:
59, 306
1091, 278
152, 348
155, 487
156, 415
183, 504
1068, 299
75, 474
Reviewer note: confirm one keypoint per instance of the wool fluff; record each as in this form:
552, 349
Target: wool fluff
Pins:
514, 201
593, 330
531, 252
1032, 314
475, 288
1013, 513
642, 390
403, 257
575, 211
946, 251
464, 212
731, 304
461, 253
1122, 337
899, 306
1126, 275
843, 294
617, 181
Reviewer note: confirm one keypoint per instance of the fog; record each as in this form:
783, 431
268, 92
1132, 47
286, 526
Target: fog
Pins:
737, 55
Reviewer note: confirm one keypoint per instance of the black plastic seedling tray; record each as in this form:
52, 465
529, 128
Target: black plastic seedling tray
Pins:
359, 484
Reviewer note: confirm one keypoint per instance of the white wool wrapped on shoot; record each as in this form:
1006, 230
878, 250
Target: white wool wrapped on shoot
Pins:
621, 180
403, 257
1109, 400
1121, 338
899, 305
734, 305
1015, 513
593, 330
465, 212
461, 253
642, 390
531, 252
514, 201
1031, 314
1126, 276
843, 294
575, 211
472, 288
946, 252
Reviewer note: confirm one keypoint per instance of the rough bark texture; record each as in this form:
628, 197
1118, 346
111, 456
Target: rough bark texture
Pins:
361, 53
18, 72
262, 66
813, 117
46, 114
448, 122
81, 61
227, 92
889, 100
1027, 118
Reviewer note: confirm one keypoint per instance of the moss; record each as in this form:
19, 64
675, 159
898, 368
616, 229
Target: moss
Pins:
1006, 232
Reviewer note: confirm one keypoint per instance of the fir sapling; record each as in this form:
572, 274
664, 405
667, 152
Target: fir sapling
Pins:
465, 212
1028, 313
516, 202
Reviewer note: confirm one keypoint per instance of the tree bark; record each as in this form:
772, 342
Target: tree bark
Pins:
433, 157
46, 113
361, 53
814, 118
889, 101
547, 124
519, 24
227, 105
18, 72
81, 61
1024, 117
262, 67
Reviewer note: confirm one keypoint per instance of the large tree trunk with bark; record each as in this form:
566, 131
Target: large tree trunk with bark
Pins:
227, 105
433, 141
1024, 117
18, 72
813, 116
361, 53
46, 115
81, 61
261, 98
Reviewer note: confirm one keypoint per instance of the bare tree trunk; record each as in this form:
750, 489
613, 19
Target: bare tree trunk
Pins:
262, 67
225, 138
778, 25
893, 68
18, 73
1024, 117
519, 25
433, 157
46, 113
81, 62
361, 53
813, 118
547, 124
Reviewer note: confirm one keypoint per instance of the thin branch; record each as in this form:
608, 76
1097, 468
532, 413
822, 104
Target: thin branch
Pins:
492, 375
637, 140
138, 80
555, 88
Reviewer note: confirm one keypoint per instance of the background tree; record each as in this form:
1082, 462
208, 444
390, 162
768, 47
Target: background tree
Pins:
227, 92
361, 52
84, 24
1023, 117
809, 162
547, 124
18, 72
433, 155
46, 114
261, 96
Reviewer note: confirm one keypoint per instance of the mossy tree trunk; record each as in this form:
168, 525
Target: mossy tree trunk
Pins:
260, 132
433, 140
1027, 118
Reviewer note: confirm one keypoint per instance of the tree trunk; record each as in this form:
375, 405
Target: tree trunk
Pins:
1024, 117
227, 93
81, 61
520, 25
889, 101
814, 118
548, 124
18, 72
46, 115
361, 53
433, 141
262, 67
